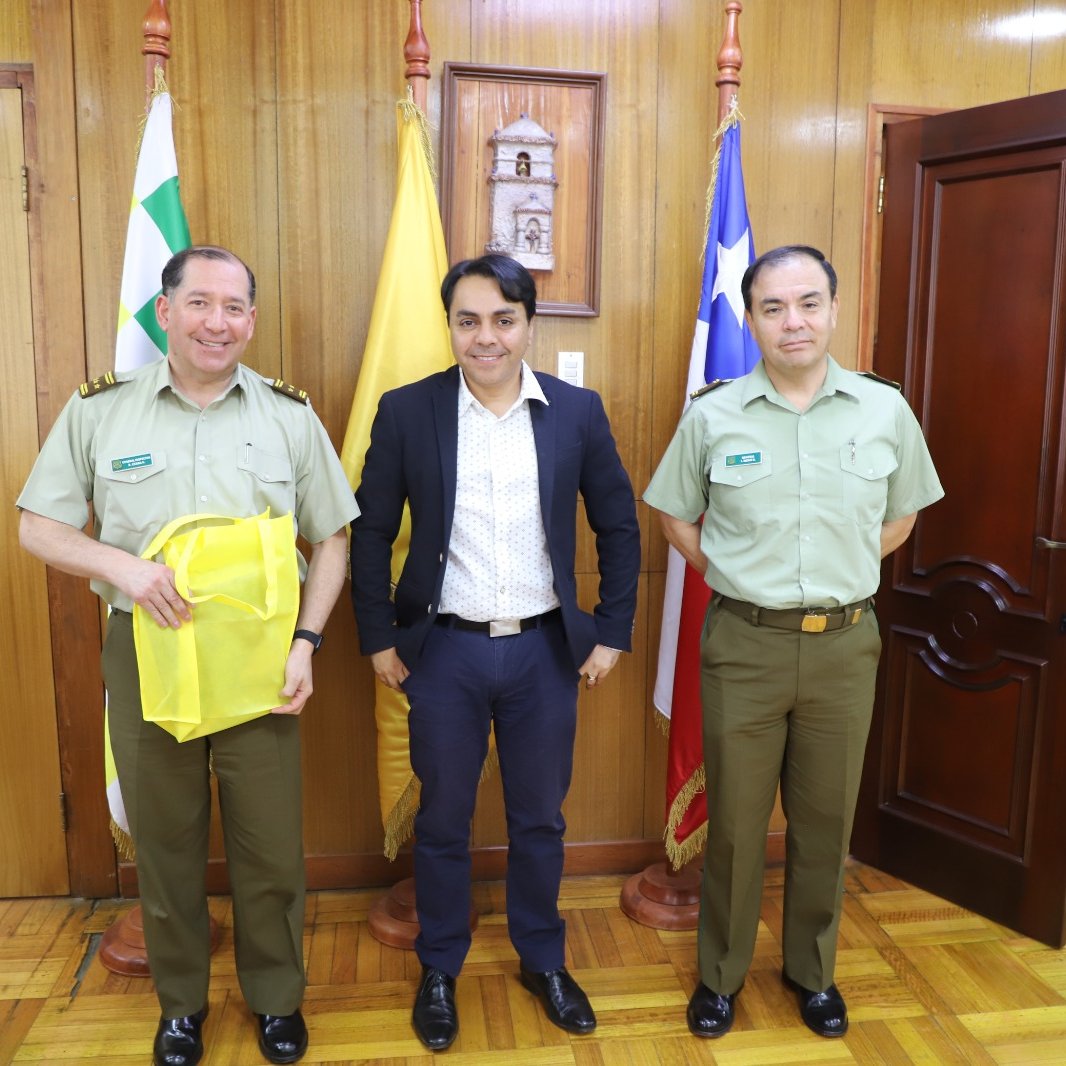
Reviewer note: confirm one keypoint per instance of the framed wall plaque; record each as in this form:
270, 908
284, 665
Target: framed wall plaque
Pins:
487, 113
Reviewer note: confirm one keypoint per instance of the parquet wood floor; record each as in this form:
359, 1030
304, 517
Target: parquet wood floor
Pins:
925, 982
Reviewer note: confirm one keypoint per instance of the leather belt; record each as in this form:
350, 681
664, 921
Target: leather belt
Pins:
799, 619
502, 627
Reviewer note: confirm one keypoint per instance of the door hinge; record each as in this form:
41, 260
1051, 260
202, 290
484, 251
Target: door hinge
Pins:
64, 822
25, 188
880, 194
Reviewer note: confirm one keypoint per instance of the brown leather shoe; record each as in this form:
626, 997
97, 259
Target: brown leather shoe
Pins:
565, 1004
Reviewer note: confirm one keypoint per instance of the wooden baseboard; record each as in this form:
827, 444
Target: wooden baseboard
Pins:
370, 870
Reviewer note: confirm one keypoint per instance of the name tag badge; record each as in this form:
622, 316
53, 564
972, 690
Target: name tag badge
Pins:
744, 459
132, 462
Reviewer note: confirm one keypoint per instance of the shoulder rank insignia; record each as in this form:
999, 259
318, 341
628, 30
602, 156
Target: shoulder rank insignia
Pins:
98, 385
877, 377
291, 391
709, 387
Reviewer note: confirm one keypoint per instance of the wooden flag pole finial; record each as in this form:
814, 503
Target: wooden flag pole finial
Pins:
156, 50
730, 60
416, 54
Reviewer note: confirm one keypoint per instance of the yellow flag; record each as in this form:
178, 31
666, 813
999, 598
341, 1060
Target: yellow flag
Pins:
407, 340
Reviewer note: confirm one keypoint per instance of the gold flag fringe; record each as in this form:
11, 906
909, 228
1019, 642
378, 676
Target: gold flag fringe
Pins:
413, 113
681, 852
732, 118
123, 842
400, 823
158, 89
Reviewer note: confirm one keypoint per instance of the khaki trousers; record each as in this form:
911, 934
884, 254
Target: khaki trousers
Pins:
167, 795
791, 708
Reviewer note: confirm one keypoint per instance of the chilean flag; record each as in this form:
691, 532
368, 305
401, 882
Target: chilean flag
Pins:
721, 348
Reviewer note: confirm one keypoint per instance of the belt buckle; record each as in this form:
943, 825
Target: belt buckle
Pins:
505, 627
814, 623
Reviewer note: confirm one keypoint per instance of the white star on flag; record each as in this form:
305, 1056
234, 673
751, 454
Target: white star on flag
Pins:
732, 262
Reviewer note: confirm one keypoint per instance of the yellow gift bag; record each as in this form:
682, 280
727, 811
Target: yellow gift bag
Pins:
227, 665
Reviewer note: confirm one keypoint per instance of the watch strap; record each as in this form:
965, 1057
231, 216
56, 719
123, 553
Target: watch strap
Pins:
314, 639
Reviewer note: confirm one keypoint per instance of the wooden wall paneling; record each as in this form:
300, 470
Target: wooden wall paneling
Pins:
788, 98
16, 35
655, 739
936, 55
1048, 61
31, 825
59, 355
223, 75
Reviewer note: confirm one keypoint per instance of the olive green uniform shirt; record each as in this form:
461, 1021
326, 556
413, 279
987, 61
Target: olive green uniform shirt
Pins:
793, 502
143, 454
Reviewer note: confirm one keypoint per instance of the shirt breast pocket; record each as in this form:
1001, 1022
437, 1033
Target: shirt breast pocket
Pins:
741, 492
129, 491
265, 466
865, 470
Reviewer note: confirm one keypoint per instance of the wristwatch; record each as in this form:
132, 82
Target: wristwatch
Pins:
314, 639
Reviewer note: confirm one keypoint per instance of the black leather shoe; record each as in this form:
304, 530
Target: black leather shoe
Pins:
282, 1037
179, 1041
565, 1004
824, 1013
710, 1013
435, 1019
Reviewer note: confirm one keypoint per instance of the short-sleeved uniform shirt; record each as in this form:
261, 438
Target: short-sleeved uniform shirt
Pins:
143, 455
793, 502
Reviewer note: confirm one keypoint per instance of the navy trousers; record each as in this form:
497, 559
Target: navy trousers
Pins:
524, 687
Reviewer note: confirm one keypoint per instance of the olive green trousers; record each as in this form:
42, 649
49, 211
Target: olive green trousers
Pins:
789, 708
167, 795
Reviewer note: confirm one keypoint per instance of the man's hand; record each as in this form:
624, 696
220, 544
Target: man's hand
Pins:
152, 586
297, 686
598, 665
389, 669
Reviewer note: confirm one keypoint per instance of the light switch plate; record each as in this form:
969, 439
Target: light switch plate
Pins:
572, 367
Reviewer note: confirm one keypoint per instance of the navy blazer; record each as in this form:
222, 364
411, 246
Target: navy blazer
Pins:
412, 458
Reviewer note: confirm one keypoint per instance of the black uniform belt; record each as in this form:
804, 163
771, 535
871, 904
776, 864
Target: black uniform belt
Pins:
501, 627
801, 619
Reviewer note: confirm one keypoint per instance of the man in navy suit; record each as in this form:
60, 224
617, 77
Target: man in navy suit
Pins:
484, 628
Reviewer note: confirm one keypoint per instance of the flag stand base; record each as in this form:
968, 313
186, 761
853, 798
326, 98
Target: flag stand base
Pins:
122, 948
393, 919
659, 898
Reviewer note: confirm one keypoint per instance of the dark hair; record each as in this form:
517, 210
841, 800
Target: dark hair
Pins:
174, 271
515, 282
777, 256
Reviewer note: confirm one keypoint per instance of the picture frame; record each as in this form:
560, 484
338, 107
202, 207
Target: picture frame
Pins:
478, 101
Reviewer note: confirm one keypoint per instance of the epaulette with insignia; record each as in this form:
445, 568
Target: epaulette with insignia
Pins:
98, 385
291, 391
877, 377
709, 387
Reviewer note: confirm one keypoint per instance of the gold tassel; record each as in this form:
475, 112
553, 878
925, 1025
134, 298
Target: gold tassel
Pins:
123, 842
413, 113
732, 118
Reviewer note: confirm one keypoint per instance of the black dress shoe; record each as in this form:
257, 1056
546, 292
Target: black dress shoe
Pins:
565, 1004
710, 1013
824, 1013
179, 1041
435, 1019
282, 1037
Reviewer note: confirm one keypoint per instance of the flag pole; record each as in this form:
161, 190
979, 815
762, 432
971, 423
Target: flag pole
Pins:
122, 947
658, 896
393, 919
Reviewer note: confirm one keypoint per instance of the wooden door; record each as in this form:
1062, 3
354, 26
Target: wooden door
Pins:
31, 818
964, 789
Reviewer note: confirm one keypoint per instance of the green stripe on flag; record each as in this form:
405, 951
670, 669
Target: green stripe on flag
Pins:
164, 209
150, 324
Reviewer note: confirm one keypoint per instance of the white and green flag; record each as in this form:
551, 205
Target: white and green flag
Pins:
157, 229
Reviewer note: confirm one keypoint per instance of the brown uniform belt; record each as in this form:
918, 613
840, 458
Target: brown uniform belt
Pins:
800, 619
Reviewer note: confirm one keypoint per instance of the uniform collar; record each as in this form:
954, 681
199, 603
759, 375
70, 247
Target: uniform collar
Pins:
757, 384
